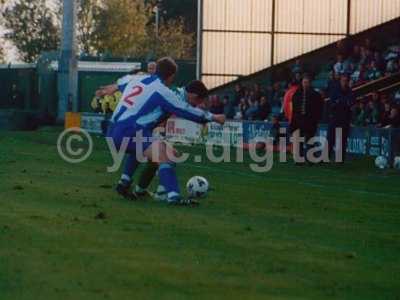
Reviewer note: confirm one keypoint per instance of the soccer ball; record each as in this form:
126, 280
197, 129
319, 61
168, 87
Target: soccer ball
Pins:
396, 163
381, 162
197, 187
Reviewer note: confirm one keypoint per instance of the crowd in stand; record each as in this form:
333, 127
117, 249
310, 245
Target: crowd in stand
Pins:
360, 64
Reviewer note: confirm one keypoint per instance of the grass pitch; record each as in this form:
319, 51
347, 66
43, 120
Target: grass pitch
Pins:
324, 232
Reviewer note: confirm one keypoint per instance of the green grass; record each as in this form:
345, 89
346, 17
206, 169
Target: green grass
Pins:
326, 232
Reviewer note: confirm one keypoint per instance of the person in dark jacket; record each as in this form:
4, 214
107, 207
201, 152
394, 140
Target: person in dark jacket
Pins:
306, 114
340, 103
264, 109
229, 109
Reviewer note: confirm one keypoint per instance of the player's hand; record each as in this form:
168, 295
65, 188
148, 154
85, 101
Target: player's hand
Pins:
220, 119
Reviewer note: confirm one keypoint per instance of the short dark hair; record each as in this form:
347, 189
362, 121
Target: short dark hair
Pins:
166, 67
197, 87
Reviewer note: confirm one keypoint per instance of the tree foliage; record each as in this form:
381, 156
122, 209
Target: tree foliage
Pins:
31, 28
173, 40
121, 28
2, 60
124, 28
88, 11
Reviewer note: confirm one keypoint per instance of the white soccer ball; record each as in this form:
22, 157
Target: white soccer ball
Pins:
381, 162
396, 163
197, 187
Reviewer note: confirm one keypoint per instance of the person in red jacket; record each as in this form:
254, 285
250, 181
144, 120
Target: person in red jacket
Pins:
287, 100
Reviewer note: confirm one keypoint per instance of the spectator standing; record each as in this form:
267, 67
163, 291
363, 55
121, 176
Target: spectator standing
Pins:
307, 113
333, 82
297, 68
229, 109
380, 64
276, 97
258, 93
243, 106
356, 55
287, 100
339, 115
238, 95
264, 109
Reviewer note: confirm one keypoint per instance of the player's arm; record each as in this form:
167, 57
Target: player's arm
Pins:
170, 103
111, 89
107, 90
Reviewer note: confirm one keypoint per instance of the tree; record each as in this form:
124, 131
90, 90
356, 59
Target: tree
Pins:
172, 40
121, 28
126, 28
87, 12
2, 60
31, 28
187, 9
87, 22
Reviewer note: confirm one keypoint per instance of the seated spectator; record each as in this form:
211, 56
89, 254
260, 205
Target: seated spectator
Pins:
341, 66
397, 97
380, 63
276, 96
377, 98
359, 115
392, 66
373, 72
243, 106
385, 116
359, 76
372, 117
229, 109
216, 106
264, 109
394, 118
366, 56
253, 110
257, 92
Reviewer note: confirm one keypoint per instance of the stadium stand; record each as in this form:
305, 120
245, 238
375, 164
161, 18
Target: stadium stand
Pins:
370, 59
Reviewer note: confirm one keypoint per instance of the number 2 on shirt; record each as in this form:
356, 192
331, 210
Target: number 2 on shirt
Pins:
129, 99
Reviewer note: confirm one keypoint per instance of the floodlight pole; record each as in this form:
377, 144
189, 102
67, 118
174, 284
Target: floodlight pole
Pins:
68, 64
199, 46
